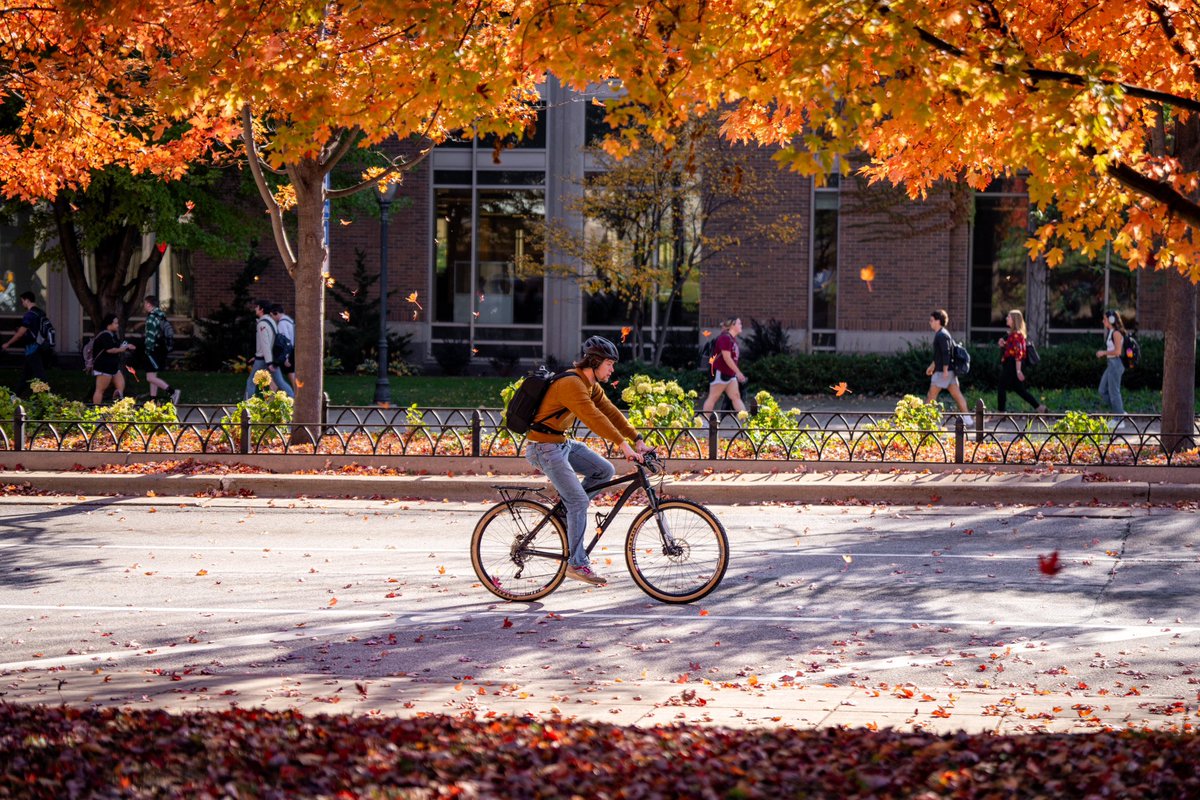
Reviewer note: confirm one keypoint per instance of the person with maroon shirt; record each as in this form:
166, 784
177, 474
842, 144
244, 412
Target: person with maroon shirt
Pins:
726, 374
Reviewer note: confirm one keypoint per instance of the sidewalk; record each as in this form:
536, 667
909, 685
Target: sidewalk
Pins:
785, 701
901, 486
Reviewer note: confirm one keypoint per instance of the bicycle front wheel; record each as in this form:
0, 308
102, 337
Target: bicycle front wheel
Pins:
679, 554
510, 559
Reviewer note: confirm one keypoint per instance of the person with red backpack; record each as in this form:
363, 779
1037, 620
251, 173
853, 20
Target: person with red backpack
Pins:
577, 394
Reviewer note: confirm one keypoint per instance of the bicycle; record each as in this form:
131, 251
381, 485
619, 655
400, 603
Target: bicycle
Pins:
519, 547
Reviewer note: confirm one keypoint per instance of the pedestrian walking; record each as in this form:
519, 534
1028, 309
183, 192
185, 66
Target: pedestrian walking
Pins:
286, 326
726, 374
1114, 342
264, 347
26, 337
107, 351
941, 371
1013, 351
156, 348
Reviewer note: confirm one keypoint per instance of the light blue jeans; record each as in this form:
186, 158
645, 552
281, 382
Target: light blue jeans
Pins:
561, 463
280, 379
1110, 385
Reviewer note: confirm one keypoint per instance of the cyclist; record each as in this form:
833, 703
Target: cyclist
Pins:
578, 395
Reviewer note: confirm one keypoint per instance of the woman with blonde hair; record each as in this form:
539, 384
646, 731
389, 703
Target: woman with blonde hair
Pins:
723, 367
1013, 349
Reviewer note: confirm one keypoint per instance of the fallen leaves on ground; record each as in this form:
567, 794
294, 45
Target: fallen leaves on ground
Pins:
149, 753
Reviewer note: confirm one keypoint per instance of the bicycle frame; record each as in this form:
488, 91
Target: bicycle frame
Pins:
636, 480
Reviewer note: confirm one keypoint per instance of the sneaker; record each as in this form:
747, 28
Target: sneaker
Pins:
586, 575
175, 397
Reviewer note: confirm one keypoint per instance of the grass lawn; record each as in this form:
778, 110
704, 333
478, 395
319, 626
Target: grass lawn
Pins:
225, 387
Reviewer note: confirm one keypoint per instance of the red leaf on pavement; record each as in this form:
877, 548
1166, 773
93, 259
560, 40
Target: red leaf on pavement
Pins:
1049, 564
507, 623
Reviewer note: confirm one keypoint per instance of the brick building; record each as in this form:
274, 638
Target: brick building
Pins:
464, 215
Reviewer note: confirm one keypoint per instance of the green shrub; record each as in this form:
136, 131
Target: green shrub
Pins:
127, 411
1077, 422
658, 404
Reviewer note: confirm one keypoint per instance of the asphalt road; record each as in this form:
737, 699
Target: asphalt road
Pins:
191, 602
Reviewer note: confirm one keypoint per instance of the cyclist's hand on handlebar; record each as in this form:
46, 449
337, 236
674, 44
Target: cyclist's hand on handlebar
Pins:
629, 453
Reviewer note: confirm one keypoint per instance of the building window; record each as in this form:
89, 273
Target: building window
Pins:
480, 296
824, 276
998, 257
17, 273
1077, 290
1080, 289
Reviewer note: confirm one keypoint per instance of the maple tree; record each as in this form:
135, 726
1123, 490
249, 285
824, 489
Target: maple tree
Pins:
1094, 102
300, 83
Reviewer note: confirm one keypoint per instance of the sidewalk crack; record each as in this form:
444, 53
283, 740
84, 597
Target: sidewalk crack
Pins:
1112, 574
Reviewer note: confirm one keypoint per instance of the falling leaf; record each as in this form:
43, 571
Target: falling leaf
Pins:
848, 558
706, 334
345, 221
412, 298
333, 601
704, 612
441, 570
840, 389
1049, 564
329, 281
132, 372
162, 247
625, 331
299, 383
867, 274
202, 572
189, 205
345, 315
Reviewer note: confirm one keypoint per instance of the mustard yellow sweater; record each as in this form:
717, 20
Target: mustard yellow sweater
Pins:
579, 398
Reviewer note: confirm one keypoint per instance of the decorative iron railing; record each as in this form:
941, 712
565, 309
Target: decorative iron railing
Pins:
979, 438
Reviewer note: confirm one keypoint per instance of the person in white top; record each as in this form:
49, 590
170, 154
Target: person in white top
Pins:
264, 347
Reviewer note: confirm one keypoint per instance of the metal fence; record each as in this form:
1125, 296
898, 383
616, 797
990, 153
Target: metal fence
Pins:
980, 438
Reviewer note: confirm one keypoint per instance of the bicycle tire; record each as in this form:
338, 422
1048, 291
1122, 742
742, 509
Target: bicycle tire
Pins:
516, 572
688, 574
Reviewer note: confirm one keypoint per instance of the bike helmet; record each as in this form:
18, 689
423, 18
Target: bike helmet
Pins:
601, 348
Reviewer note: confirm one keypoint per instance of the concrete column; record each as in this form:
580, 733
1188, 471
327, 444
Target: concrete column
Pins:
565, 118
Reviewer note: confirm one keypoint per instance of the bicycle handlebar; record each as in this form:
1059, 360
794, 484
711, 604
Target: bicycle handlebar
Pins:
653, 464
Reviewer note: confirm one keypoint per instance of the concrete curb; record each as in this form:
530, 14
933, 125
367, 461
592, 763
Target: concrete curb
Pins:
715, 488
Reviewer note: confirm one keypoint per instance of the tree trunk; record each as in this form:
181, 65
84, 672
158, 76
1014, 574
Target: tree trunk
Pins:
1179, 365
312, 264
1037, 310
1179, 356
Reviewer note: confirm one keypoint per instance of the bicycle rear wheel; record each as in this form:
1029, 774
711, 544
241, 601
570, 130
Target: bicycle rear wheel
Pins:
678, 555
510, 559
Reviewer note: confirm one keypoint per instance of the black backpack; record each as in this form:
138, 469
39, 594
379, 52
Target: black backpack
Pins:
960, 359
167, 332
46, 337
1131, 351
281, 347
706, 355
521, 412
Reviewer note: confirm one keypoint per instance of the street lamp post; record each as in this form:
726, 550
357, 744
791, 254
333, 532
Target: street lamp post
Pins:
383, 393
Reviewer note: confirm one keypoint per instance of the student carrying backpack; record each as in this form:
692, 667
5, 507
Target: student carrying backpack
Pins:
522, 407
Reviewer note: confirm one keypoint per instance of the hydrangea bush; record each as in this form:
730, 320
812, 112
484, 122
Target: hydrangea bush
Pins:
658, 404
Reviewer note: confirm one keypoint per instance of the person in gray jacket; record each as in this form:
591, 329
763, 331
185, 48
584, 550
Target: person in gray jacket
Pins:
264, 345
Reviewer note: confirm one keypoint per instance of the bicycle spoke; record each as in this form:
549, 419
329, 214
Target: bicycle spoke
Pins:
678, 556
513, 557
